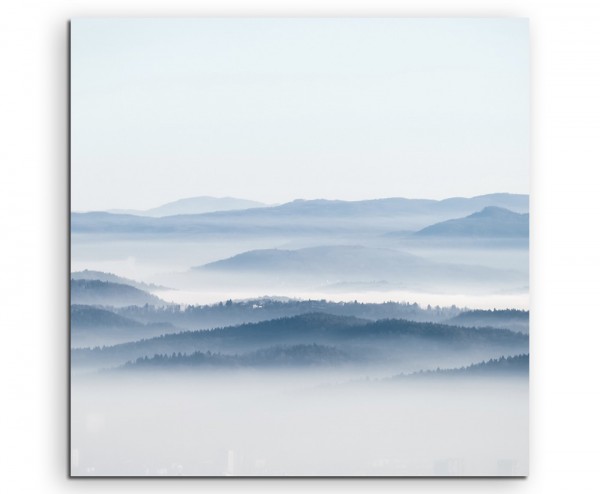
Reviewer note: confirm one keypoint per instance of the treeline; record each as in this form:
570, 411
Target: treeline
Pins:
277, 356
96, 292
230, 313
517, 320
92, 326
391, 338
503, 366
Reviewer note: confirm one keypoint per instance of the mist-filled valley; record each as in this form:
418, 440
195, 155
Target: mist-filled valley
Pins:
370, 250
381, 337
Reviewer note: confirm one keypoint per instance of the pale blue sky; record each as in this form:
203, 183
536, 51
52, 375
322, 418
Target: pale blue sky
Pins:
278, 109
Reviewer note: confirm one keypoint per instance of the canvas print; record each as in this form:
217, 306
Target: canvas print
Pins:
299, 247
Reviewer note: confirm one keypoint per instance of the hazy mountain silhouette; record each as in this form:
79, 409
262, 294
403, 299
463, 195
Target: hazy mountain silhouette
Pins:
96, 292
86, 316
94, 326
398, 205
193, 205
517, 365
491, 221
515, 320
87, 274
328, 266
303, 217
328, 260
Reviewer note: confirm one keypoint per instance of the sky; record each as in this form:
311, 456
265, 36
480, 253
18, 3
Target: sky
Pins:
279, 109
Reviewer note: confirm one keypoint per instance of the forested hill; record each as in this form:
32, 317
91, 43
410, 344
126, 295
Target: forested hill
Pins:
84, 317
92, 326
394, 335
277, 356
88, 274
232, 313
96, 292
516, 320
517, 365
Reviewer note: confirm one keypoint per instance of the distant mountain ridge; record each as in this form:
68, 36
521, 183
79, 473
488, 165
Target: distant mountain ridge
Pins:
87, 316
395, 205
300, 216
93, 326
515, 320
328, 266
491, 221
193, 205
87, 274
323, 258
96, 292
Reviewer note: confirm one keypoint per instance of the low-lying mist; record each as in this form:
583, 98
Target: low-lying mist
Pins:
296, 423
518, 300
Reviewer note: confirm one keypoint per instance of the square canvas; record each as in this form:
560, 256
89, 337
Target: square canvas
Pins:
299, 247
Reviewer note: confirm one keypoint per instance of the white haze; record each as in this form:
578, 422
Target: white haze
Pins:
166, 261
485, 301
287, 425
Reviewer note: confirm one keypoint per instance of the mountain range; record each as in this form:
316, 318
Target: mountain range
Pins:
300, 217
193, 205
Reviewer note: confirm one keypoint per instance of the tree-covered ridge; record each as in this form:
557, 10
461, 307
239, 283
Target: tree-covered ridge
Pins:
96, 292
88, 274
229, 313
91, 326
503, 366
336, 327
276, 356
516, 320
87, 316
386, 336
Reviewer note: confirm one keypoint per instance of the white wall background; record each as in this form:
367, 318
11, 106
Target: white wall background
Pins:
565, 396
